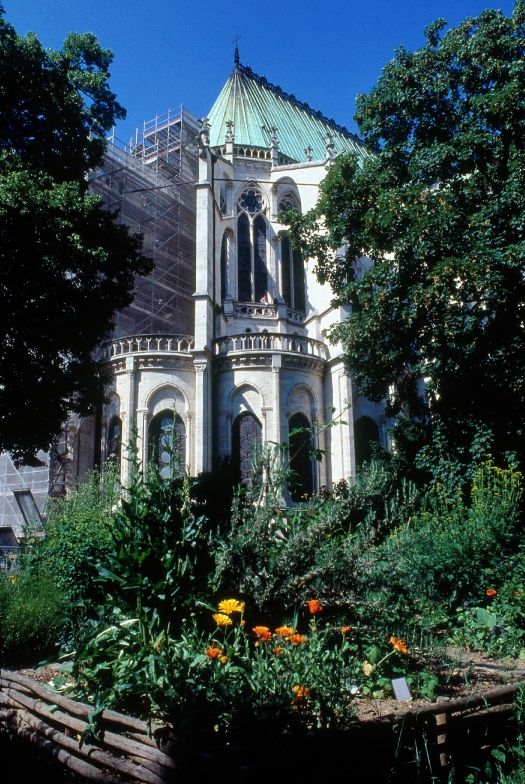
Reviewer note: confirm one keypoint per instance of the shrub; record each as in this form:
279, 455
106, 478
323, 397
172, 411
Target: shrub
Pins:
496, 623
160, 554
276, 557
32, 611
447, 553
77, 536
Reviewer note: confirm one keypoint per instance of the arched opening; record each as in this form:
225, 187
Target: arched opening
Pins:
260, 271
252, 271
167, 444
300, 460
366, 433
244, 262
246, 440
224, 266
114, 441
292, 275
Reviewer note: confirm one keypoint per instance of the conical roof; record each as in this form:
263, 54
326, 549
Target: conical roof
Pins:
256, 107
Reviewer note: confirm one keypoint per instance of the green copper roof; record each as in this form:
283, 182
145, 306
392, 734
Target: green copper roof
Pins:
255, 106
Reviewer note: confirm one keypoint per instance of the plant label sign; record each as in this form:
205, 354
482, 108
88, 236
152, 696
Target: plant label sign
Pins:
401, 690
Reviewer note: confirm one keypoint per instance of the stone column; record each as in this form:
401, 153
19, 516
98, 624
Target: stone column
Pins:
142, 437
128, 423
276, 395
202, 417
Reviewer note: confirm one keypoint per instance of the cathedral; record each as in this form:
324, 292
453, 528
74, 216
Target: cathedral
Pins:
224, 347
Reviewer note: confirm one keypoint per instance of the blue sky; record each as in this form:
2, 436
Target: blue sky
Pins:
176, 51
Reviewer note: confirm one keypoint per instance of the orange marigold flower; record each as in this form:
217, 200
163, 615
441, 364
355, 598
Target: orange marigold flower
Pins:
229, 606
213, 652
300, 693
222, 620
346, 629
399, 645
297, 639
223, 659
491, 592
262, 632
284, 631
315, 606
277, 650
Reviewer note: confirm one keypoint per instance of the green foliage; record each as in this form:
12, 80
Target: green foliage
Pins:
77, 535
62, 256
496, 625
277, 557
160, 555
31, 615
448, 552
438, 208
226, 679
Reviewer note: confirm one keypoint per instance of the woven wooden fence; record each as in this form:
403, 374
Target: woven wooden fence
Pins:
128, 750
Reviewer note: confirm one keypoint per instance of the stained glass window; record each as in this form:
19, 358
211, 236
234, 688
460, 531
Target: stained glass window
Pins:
246, 439
167, 443
252, 272
251, 201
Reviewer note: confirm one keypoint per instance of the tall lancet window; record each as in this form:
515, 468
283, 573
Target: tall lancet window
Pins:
292, 265
252, 270
225, 264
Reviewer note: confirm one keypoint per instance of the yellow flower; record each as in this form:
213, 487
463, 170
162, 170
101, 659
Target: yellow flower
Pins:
223, 659
284, 631
399, 645
367, 668
229, 606
301, 693
222, 620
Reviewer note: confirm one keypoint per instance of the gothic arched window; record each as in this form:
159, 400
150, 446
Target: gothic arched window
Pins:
167, 443
246, 440
292, 275
225, 264
366, 433
114, 440
300, 460
252, 270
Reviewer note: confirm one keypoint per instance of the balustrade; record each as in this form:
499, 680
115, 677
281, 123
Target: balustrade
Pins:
146, 344
264, 341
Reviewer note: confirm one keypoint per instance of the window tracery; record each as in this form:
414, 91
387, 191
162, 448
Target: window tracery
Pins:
252, 270
167, 443
246, 440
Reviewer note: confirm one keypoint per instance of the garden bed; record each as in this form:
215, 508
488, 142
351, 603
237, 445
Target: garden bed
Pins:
390, 740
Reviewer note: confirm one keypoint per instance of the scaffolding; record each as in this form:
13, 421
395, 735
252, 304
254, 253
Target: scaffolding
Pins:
13, 478
150, 182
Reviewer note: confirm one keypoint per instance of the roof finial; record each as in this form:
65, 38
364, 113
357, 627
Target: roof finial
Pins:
236, 58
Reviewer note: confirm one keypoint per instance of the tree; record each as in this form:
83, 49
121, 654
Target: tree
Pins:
66, 266
439, 208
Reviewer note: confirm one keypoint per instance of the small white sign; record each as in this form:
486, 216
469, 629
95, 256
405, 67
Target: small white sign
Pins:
401, 690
